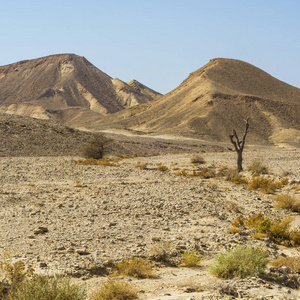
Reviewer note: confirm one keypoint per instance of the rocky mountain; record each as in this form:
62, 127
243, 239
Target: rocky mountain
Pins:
217, 98
66, 88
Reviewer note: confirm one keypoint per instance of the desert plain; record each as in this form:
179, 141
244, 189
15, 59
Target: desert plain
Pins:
59, 216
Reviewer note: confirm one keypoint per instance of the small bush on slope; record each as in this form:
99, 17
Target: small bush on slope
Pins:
114, 291
287, 201
240, 262
135, 267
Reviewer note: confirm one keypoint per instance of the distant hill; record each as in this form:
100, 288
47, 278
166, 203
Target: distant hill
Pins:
215, 99
66, 88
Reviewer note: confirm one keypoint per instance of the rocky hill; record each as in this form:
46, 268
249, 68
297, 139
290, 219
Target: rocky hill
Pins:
217, 98
66, 88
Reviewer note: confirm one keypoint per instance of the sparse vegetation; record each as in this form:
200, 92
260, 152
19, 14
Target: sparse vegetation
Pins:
240, 262
287, 201
190, 259
197, 159
277, 231
205, 173
134, 267
96, 147
227, 173
42, 287
162, 168
20, 283
162, 252
97, 162
141, 166
239, 180
266, 186
288, 261
114, 291
257, 167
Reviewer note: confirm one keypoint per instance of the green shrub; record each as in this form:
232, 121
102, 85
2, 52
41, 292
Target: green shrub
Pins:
96, 147
135, 267
44, 288
240, 262
114, 291
287, 201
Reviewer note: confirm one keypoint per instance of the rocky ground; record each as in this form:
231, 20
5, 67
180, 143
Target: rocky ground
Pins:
59, 216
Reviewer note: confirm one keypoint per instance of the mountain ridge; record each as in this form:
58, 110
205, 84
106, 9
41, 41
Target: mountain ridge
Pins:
216, 98
45, 87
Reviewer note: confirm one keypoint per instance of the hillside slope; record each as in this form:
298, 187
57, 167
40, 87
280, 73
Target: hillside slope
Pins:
217, 98
66, 88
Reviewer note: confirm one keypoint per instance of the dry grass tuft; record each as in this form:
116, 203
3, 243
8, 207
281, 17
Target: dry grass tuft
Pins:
97, 162
141, 166
266, 186
277, 231
114, 291
134, 267
287, 201
257, 167
190, 259
291, 262
162, 168
197, 159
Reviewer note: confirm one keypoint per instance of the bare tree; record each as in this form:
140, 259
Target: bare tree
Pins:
239, 145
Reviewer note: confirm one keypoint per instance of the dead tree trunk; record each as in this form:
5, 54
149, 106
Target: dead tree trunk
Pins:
239, 146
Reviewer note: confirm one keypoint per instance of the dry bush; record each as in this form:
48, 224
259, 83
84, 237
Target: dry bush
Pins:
183, 172
205, 173
234, 230
288, 261
190, 259
141, 166
134, 267
197, 159
257, 167
233, 206
254, 221
238, 222
237, 225
240, 262
277, 231
114, 291
227, 173
162, 252
239, 180
162, 168
266, 186
287, 201
96, 147
97, 162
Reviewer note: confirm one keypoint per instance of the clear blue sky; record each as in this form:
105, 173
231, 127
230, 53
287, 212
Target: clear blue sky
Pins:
157, 42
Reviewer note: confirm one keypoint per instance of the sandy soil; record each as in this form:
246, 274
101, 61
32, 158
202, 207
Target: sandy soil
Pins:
58, 216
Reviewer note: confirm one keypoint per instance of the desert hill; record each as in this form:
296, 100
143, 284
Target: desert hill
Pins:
66, 88
217, 98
